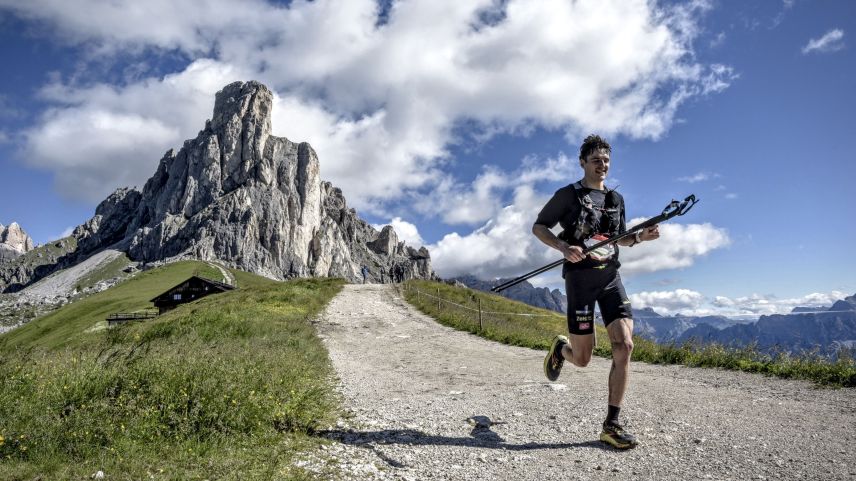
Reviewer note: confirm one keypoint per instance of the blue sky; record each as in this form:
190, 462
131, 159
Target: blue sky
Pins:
455, 122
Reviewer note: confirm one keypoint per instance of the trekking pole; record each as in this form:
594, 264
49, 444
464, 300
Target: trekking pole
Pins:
674, 209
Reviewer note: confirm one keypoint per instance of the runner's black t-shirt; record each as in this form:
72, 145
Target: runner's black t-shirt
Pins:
564, 209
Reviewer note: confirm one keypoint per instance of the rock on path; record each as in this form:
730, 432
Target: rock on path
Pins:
430, 402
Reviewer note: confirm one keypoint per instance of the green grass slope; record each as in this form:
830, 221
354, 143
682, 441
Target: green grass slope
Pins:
73, 323
227, 387
519, 325
528, 326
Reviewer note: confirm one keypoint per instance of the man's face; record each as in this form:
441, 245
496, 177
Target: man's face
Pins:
596, 165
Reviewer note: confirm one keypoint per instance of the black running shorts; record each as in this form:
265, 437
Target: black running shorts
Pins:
584, 287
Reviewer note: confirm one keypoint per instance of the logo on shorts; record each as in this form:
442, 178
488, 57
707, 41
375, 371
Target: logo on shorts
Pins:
585, 325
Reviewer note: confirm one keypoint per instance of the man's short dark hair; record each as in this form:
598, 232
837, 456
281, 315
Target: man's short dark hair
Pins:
591, 143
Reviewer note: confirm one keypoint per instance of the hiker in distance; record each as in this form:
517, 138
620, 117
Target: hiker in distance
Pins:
590, 213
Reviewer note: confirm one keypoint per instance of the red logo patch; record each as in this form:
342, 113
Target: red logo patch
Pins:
585, 325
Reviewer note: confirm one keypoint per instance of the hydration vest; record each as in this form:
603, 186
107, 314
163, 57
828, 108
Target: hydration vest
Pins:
589, 219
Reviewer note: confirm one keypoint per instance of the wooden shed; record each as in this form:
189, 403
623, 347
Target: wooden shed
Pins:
191, 289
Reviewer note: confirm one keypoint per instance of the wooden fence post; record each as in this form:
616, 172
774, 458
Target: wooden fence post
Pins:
480, 316
438, 299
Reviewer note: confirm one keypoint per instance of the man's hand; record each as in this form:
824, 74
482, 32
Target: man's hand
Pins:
650, 233
572, 253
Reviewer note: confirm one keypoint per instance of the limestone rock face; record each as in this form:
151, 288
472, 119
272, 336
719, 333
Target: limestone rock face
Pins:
240, 195
14, 242
110, 223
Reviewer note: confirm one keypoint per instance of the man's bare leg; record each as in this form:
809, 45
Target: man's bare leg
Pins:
580, 349
621, 336
577, 350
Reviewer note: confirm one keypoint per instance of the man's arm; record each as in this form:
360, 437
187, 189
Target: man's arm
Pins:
649, 233
646, 234
569, 252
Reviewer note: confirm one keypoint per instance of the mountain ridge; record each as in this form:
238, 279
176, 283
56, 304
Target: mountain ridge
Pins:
238, 194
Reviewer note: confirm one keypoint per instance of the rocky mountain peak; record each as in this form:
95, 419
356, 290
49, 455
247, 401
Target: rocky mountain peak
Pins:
242, 103
240, 195
14, 241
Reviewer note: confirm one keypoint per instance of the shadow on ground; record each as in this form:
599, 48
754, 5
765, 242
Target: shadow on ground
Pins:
480, 437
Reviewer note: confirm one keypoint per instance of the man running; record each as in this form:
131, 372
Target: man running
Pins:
589, 213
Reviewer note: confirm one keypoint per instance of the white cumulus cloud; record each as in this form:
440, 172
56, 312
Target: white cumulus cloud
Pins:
378, 100
693, 303
667, 303
758, 304
678, 247
473, 203
503, 247
101, 137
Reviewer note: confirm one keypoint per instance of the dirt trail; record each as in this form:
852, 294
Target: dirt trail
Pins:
228, 278
430, 402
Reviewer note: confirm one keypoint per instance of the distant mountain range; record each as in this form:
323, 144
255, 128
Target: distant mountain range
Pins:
524, 292
801, 330
826, 329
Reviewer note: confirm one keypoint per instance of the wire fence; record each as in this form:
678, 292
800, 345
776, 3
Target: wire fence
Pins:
479, 315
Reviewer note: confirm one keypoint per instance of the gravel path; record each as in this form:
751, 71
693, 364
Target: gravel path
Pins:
430, 402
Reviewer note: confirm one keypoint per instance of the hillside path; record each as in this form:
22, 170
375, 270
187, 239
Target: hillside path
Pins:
228, 278
430, 402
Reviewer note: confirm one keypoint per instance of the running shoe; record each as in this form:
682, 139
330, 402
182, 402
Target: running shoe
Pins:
615, 435
554, 360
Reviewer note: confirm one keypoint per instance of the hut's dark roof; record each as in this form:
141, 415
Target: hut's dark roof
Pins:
222, 286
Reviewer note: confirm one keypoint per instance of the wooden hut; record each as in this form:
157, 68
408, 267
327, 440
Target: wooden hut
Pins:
191, 289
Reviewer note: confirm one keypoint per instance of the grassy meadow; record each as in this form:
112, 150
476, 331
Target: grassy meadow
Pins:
537, 327
230, 386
